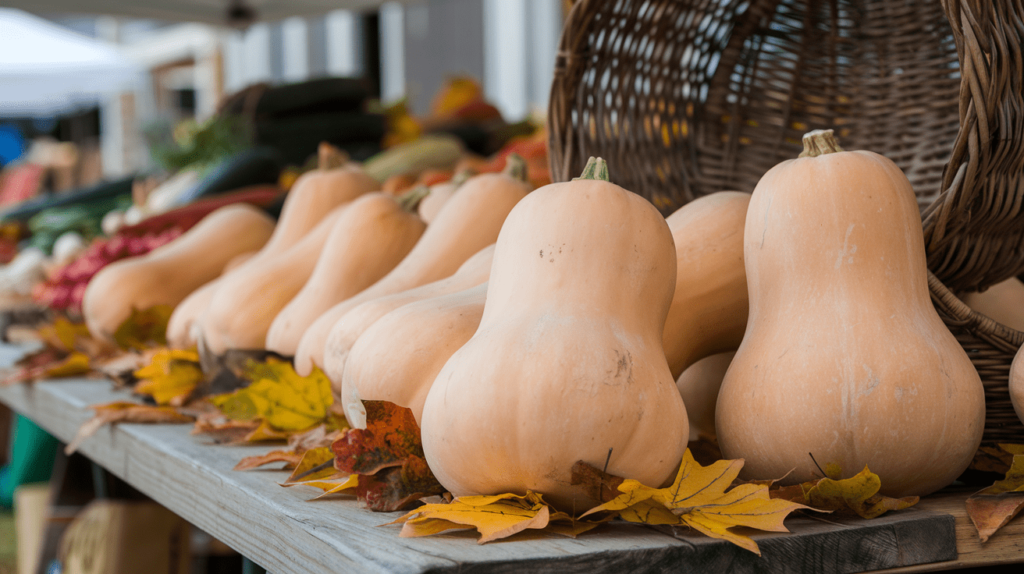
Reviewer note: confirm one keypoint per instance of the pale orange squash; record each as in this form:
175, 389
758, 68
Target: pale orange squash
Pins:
180, 334
473, 272
166, 275
698, 385
567, 363
366, 242
1016, 384
399, 356
709, 306
247, 300
845, 358
466, 224
1002, 302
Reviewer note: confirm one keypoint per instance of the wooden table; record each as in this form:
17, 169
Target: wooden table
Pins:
281, 530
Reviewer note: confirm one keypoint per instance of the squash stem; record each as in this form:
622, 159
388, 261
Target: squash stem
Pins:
411, 199
820, 142
462, 177
515, 167
330, 157
596, 168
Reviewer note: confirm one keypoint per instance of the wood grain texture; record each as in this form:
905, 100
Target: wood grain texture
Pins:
279, 529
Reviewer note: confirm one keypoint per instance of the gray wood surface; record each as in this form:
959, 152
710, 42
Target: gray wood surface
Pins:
281, 530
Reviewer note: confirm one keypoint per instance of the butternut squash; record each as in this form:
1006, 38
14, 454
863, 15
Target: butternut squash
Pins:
845, 358
469, 222
366, 242
1002, 302
709, 306
399, 356
567, 363
698, 385
1016, 383
180, 334
169, 273
314, 195
430, 205
246, 301
472, 273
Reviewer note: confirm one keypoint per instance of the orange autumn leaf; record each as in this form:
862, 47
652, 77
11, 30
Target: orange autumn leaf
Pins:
699, 498
124, 412
286, 456
391, 435
993, 507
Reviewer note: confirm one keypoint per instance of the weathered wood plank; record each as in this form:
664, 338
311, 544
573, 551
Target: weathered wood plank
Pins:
279, 529
1005, 547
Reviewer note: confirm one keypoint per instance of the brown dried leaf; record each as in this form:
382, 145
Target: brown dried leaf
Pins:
394, 488
597, 484
288, 457
125, 412
992, 508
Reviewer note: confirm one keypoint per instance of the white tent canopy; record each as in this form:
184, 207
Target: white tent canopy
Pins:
224, 12
46, 69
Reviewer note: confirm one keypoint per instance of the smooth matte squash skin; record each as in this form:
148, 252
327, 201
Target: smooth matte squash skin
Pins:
567, 363
439, 195
473, 272
1016, 384
246, 302
312, 197
1002, 302
180, 334
709, 307
466, 224
367, 241
845, 357
167, 275
400, 355
699, 385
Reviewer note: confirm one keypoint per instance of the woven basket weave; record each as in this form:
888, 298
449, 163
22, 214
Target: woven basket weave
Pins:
689, 97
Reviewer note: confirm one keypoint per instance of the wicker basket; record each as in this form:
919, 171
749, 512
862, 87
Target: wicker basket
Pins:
689, 97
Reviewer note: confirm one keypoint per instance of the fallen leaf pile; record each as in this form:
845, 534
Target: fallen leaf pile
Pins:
68, 351
993, 507
855, 495
276, 405
699, 498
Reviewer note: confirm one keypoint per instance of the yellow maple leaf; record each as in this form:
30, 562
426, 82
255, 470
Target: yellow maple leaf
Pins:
494, 517
170, 377
73, 365
699, 498
280, 397
327, 479
63, 334
857, 494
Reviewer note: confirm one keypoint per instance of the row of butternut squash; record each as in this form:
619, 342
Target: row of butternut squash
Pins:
527, 330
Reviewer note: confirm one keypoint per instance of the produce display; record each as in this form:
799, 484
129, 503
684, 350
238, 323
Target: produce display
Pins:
845, 358
432, 322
